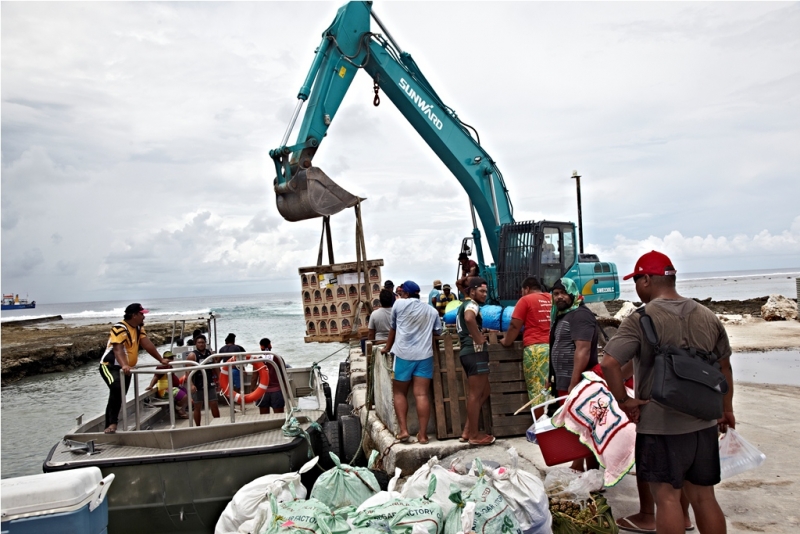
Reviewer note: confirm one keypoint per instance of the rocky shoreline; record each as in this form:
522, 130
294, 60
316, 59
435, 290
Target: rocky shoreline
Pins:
29, 350
750, 307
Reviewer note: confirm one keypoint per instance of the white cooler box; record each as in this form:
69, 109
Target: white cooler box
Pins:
65, 502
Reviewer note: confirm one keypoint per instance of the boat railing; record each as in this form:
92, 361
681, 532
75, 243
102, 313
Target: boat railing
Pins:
184, 366
178, 367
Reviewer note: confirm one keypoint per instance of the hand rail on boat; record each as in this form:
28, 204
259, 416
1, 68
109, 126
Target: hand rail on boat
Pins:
240, 358
152, 369
208, 363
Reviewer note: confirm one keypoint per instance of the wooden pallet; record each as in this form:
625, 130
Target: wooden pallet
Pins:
509, 391
449, 387
507, 382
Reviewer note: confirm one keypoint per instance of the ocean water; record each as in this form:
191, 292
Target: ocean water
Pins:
37, 411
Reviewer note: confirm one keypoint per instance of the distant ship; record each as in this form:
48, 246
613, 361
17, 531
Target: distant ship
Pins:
13, 302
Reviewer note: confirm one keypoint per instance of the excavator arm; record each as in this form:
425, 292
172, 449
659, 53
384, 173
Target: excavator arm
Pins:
546, 249
303, 191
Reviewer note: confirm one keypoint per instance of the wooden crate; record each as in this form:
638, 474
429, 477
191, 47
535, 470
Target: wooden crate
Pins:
335, 287
508, 390
449, 387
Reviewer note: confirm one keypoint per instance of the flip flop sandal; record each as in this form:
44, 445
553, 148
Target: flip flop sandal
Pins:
404, 439
630, 526
422, 442
486, 440
463, 440
109, 431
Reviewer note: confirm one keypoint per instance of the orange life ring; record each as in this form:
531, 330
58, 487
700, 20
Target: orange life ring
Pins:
263, 382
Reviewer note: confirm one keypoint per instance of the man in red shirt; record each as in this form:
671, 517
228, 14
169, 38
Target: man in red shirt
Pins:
533, 312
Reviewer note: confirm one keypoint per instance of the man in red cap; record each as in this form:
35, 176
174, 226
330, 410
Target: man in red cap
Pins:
675, 451
122, 353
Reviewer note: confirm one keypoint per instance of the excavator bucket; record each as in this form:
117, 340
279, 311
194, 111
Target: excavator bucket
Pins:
310, 193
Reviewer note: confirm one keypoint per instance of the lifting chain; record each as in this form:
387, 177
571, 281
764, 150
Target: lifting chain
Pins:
377, 100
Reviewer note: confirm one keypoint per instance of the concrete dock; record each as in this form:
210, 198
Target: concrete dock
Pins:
760, 500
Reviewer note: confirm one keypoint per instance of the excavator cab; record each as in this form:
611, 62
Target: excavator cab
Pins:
547, 250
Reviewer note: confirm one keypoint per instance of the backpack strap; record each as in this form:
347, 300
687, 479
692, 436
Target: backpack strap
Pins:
648, 327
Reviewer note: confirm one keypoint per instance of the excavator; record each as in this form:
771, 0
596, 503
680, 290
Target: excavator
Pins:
544, 249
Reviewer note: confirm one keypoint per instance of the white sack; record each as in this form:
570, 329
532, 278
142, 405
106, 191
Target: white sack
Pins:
240, 514
524, 492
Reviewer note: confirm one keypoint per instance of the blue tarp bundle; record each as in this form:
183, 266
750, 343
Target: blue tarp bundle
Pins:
494, 317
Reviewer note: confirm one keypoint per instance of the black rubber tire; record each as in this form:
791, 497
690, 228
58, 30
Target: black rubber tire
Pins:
344, 409
382, 478
331, 443
351, 436
326, 389
342, 392
344, 367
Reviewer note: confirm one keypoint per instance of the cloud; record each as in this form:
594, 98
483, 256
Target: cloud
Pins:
56, 238
24, 265
691, 253
66, 268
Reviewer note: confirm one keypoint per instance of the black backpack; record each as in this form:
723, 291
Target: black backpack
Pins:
686, 379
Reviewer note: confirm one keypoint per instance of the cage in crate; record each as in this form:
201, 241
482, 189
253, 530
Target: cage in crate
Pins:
375, 274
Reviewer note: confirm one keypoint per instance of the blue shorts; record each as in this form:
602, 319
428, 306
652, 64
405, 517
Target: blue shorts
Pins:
405, 369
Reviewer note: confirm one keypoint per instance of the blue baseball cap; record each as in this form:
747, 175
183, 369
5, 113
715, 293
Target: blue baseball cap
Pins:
410, 287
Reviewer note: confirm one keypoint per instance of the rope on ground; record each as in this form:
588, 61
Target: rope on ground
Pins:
292, 429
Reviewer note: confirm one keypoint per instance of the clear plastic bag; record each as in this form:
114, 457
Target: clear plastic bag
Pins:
566, 483
737, 455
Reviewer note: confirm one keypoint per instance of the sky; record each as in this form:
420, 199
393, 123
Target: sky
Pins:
135, 138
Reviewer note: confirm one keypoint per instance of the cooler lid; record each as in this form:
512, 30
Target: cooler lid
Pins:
48, 491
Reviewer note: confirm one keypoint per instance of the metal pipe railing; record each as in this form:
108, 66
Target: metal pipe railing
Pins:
151, 369
235, 358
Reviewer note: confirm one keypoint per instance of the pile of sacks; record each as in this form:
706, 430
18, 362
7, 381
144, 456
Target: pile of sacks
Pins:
434, 500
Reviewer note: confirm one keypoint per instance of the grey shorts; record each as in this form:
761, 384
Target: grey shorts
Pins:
198, 397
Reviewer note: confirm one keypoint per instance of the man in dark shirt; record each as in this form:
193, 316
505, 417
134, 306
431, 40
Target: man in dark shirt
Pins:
273, 396
573, 344
198, 385
468, 268
573, 337
231, 346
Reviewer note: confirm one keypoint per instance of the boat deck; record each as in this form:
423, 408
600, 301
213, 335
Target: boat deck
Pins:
250, 433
